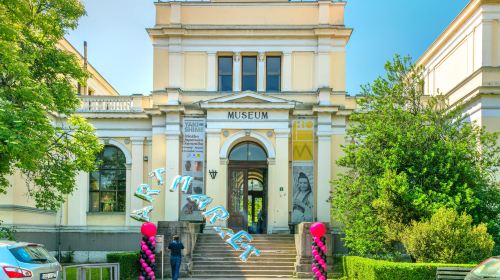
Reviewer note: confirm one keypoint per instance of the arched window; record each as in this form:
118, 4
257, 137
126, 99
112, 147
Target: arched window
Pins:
248, 151
107, 185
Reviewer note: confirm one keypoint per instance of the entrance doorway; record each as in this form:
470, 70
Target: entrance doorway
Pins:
247, 199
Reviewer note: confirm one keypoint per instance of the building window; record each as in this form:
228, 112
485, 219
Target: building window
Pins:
107, 185
249, 73
225, 73
273, 73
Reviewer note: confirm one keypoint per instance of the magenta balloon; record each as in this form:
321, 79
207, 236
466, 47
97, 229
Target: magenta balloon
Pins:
148, 229
142, 278
152, 239
318, 229
148, 252
144, 265
148, 269
144, 248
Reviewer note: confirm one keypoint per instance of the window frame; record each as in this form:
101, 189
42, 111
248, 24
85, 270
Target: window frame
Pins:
117, 181
279, 75
219, 82
243, 72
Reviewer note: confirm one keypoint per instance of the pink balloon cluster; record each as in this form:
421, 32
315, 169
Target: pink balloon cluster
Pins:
148, 244
319, 266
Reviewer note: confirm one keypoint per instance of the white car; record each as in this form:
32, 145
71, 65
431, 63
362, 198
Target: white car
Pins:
21, 260
488, 269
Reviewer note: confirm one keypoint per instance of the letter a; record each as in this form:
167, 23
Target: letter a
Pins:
201, 200
218, 213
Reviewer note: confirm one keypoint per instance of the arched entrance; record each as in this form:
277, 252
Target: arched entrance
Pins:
247, 187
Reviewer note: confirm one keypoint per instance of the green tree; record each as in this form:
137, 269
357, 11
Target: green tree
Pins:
448, 238
407, 156
39, 136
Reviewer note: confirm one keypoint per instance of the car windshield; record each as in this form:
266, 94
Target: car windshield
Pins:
489, 268
32, 254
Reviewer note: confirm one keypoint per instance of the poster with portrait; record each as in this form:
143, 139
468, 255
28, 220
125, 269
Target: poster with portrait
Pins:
193, 159
303, 195
302, 170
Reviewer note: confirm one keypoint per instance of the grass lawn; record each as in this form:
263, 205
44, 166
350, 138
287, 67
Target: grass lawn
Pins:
91, 274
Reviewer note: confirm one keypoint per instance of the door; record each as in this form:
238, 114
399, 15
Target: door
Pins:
247, 199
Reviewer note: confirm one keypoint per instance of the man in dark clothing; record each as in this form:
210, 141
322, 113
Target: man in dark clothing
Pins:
175, 256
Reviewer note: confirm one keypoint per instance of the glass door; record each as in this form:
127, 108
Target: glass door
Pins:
238, 199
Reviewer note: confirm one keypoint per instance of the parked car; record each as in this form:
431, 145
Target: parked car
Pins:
488, 269
21, 260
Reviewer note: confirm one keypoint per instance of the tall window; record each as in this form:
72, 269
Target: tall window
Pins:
225, 73
273, 73
108, 183
249, 73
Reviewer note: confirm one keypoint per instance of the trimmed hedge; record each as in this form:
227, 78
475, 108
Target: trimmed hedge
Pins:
358, 268
129, 264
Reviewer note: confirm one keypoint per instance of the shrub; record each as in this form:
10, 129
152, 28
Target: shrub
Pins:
129, 264
358, 268
448, 237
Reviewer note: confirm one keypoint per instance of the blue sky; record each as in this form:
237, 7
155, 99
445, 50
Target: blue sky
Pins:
120, 49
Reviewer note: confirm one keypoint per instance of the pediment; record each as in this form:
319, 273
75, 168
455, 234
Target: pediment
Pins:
247, 99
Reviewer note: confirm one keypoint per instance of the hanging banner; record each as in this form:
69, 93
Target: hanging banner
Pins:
193, 159
303, 170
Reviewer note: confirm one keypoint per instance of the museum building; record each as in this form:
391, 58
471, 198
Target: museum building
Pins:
249, 99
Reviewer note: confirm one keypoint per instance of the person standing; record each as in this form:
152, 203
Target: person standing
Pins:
175, 248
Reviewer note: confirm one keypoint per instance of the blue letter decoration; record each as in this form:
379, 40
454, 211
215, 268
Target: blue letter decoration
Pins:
145, 192
238, 241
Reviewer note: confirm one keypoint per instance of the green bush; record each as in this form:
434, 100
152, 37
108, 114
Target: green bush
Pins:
448, 237
129, 264
358, 268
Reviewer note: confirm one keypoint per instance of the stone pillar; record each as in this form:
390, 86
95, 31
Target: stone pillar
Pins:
215, 188
175, 63
303, 243
78, 201
277, 216
324, 164
137, 176
287, 71
187, 233
237, 72
261, 72
212, 71
323, 63
172, 133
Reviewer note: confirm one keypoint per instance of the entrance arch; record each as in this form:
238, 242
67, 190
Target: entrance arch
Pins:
247, 187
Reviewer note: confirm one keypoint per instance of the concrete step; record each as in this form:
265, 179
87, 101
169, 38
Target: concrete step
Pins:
229, 251
250, 262
243, 272
279, 259
242, 266
258, 246
241, 277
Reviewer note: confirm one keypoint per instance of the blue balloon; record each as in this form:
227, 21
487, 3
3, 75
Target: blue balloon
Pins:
157, 174
249, 250
223, 232
238, 238
145, 192
142, 215
185, 180
217, 213
201, 200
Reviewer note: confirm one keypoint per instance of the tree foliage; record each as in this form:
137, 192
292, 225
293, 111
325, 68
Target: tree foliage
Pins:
39, 136
448, 238
407, 156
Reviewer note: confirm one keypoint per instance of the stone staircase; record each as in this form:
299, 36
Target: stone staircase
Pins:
212, 258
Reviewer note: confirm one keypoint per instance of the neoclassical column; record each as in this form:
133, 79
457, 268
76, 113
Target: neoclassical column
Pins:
278, 185
137, 176
287, 71
175, 63
324, 161
78, 201
215, 188
172, 134
261, 72
237, 72
212, 71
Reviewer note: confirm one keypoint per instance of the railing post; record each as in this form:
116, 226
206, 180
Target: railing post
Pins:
136, 102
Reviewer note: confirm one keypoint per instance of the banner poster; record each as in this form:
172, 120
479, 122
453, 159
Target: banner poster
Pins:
303, 170
193, 160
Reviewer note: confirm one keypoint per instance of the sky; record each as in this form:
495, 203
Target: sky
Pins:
120, 49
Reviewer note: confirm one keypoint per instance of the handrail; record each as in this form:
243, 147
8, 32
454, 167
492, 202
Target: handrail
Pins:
114, 270
106, 104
